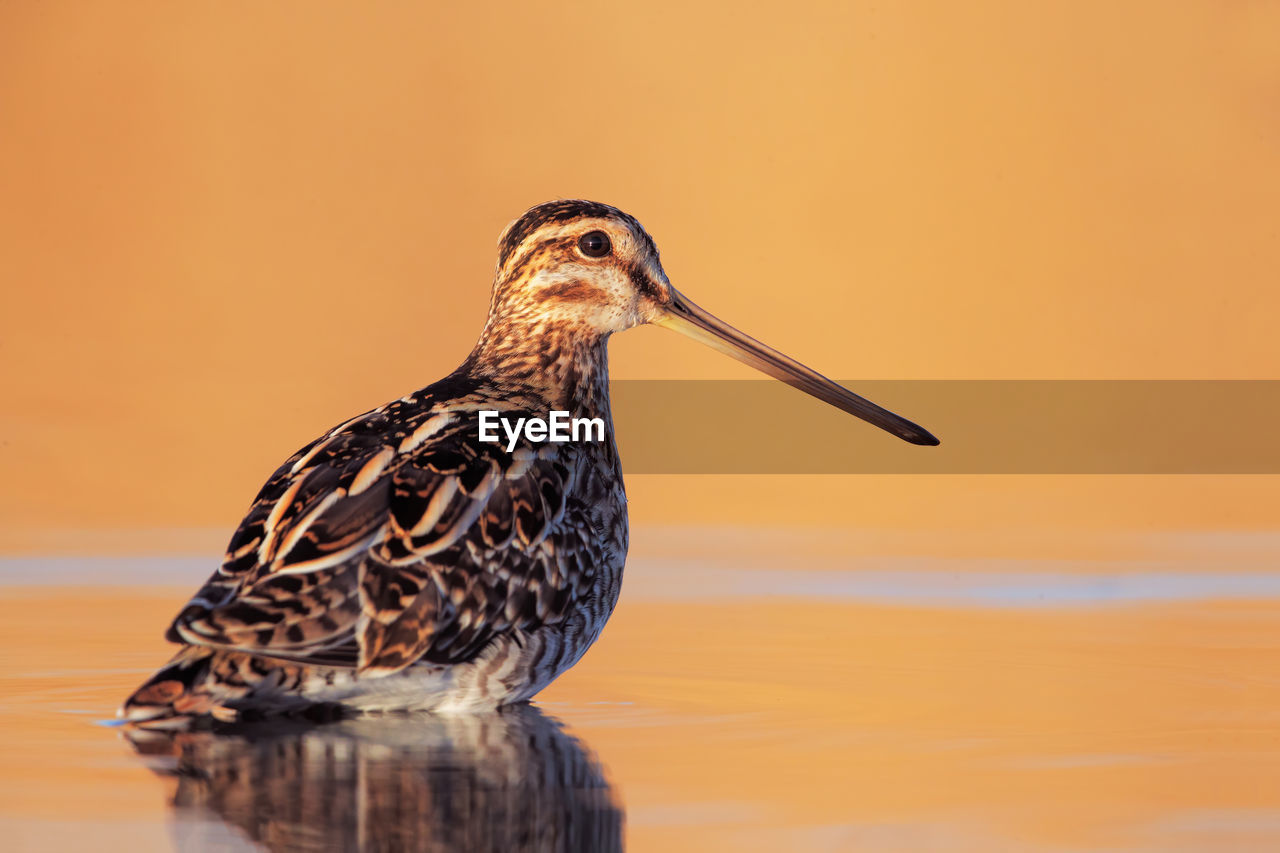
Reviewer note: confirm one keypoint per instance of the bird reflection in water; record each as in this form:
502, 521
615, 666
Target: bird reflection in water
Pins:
507, 781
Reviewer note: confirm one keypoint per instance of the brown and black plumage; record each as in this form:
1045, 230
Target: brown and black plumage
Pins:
400, 562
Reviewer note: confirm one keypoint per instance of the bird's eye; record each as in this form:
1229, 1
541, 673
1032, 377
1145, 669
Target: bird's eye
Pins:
595, 244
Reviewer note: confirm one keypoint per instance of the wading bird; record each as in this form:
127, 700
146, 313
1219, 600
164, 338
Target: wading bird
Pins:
398, 562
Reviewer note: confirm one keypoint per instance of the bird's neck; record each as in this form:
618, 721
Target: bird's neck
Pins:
566, 369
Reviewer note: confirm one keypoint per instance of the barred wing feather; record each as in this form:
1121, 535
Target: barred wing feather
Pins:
378, 546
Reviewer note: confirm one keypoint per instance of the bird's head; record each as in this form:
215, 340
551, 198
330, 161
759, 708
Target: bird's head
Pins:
580, 265
588, 270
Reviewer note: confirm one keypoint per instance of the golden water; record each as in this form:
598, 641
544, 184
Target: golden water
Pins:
927, 711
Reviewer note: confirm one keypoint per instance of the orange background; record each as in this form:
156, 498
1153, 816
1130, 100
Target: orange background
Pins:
225, 227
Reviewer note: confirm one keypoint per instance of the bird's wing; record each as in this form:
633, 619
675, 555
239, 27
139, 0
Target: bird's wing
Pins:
400, 536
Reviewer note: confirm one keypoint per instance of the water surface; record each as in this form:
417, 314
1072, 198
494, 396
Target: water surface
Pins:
1127, 699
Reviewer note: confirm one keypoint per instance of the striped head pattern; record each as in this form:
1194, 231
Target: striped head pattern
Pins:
580, 266
571, 273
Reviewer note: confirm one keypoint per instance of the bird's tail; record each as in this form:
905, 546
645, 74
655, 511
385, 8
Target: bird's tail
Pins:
186, 690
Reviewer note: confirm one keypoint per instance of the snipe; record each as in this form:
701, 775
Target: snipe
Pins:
399, 562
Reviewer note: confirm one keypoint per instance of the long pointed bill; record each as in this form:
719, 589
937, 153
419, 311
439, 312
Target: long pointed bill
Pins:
690, 320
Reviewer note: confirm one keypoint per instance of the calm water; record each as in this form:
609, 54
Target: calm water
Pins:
753, 692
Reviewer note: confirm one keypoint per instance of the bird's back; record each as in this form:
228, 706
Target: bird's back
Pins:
402, 544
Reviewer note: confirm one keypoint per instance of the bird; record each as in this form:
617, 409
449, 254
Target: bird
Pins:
401, 562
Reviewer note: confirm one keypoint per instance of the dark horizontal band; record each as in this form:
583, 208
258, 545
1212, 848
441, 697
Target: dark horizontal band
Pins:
986, 427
